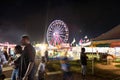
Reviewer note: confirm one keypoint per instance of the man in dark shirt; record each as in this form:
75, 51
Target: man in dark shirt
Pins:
83, 59
28, 60
46, 56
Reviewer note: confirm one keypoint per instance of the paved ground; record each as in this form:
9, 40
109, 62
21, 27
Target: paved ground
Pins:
77, 76
111, 67
50, 75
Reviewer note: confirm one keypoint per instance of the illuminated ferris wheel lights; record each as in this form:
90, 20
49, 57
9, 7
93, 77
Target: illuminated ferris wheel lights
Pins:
57, 33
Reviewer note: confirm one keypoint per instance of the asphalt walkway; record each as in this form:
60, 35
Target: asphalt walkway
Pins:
10, 69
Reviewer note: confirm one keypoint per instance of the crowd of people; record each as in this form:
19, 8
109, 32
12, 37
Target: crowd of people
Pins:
23, 62
24, 67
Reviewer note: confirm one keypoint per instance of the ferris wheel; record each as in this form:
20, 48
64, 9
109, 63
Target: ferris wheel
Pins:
57, 33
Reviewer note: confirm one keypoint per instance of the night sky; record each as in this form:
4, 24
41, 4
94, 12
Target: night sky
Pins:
32, 17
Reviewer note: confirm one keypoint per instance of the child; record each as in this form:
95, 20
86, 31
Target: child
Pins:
41, 69
65, 66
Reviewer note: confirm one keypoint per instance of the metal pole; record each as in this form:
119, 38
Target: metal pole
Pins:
92, 62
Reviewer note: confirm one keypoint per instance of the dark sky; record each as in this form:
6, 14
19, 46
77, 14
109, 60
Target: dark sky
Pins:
32, 17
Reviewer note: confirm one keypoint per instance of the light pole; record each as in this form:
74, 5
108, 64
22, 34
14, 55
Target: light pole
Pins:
92, 60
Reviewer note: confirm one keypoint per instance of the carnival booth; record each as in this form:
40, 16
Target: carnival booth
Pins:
111, 40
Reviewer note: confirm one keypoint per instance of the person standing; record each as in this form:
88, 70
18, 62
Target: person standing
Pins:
16, 62
2, 62
65, 67
27, 71
46, 56
83, 59
42, 69
5, 53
